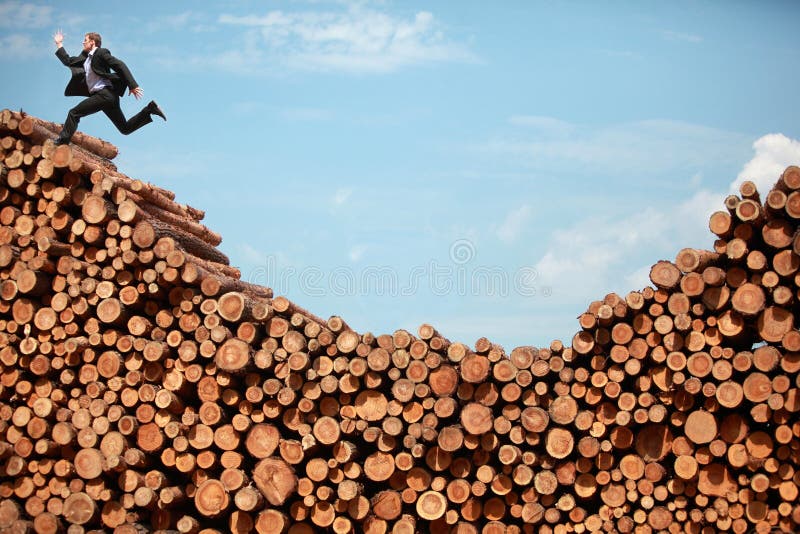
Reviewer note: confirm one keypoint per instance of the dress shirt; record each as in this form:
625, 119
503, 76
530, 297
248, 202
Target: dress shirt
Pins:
93, 81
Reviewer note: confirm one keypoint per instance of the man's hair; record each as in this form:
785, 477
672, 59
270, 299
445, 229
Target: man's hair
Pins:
95, 37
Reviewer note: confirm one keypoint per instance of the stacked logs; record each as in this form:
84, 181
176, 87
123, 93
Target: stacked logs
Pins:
145, 387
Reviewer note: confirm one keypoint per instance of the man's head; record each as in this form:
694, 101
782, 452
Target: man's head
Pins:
90, 40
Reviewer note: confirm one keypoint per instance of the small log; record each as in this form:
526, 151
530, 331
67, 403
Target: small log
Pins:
715, 479
701, 427
477, 418
721, 224
774, 323
211, 498
379, 466
431, 505
79, 508
275, 479
234, 355
559, 442
387, 505
748, 299
262, 440
690, 260
271, 521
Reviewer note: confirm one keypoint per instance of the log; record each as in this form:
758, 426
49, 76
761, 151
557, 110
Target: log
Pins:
262, 440
234, 355
690, 260
476, 418
97, 146
79, 508
431, 505
748, 299
559, 442
275, 479
701, 427
211, 498
387, 505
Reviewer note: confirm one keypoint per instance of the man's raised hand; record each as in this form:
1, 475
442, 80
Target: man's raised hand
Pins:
58, 38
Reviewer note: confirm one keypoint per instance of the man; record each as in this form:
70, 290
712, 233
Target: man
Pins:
93, 78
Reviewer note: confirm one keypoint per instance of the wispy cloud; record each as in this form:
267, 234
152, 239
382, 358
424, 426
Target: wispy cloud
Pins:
192, 21
624, 54
357, 252
341, 196
291, 114
248, 107
158, 163
619, 148
24, 15
306, 114
548, 126
250, 253
514, 223
678, 36
357, 40
20, 46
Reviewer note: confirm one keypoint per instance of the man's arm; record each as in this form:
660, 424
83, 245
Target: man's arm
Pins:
121, 69
61, 54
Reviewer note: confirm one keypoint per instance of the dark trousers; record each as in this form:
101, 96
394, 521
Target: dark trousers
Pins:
106, 101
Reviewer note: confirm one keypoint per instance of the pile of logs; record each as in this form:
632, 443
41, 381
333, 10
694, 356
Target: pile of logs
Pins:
145, 387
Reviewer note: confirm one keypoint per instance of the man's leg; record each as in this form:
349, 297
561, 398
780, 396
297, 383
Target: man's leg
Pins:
88, 106
114, 113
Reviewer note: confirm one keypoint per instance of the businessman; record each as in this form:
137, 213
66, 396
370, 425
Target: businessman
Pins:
102, 79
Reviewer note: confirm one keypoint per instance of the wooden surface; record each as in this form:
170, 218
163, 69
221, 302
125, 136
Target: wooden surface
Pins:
145, 387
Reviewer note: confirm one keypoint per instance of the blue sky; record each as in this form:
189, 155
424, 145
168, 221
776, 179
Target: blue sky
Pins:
489, 168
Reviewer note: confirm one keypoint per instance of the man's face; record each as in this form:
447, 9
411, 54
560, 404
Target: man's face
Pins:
88, 44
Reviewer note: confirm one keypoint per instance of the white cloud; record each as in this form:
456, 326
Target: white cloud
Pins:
188, 20
639, 278
357, 252
583, 259
341, 196
251, 254
248, 107
243, 57
595, 255
624, 54
514, 224
774, 152
684, 37
158, 163
634, 147
19, 46
543, 125
357, 40
24, 15
306, 114
275, 269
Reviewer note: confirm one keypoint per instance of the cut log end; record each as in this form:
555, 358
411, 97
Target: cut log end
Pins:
275, 479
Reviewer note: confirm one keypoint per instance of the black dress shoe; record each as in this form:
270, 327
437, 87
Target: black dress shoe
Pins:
60, 141
156, 110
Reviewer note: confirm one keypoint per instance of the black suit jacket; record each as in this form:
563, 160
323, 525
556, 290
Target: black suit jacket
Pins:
102, 64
